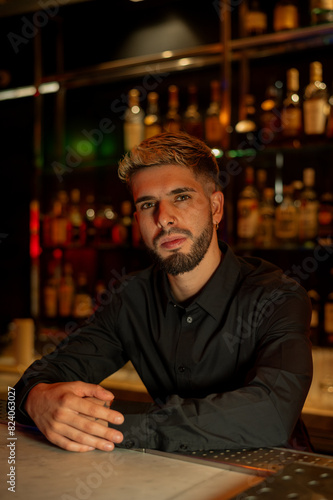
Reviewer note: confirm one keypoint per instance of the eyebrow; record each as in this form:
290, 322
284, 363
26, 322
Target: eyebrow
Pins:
173, 192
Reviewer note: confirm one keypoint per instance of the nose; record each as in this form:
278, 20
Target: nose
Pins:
165, 215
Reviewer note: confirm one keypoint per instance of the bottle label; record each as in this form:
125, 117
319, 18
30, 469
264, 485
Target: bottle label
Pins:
286, 223
328, 322
308, 220
256, 22
285, 17
248, 217
291, 120
315, 114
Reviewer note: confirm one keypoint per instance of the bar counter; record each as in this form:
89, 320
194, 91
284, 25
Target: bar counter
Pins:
42, 471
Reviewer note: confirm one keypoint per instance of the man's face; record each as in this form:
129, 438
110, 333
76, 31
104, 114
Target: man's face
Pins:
174, 213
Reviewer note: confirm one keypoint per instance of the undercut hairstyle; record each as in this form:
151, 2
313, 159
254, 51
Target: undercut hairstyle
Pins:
170, 149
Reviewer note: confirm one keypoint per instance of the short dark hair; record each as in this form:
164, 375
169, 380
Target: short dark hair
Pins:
170, 149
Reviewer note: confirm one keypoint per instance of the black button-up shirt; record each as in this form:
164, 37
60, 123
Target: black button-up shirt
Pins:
230, 370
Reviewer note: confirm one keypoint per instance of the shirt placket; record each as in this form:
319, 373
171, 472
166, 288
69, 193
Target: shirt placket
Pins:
184, 360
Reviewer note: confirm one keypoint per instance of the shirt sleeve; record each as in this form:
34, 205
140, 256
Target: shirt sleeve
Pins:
89, 354
261, 413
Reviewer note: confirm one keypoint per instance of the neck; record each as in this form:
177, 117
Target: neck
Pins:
187, 285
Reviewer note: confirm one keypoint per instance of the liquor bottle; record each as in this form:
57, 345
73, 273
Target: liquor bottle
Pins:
270, 117
247, 211
266, 227
83, 305
213, 126
321, 11
152, 120
122, 230
247, 124
104, 221
286, 223
66, 291
291, 116
134, 117
285, 16
59, 220
173, 119
325, 219
315, 105
192, 122
315, 317
255, 22
308, 213
76, 222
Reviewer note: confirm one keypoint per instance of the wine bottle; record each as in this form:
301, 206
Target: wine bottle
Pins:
255, 21
213, 127
321, 11
173, 119
133, 125
315, 105
152, 120
291, 116
192, 122
285, 16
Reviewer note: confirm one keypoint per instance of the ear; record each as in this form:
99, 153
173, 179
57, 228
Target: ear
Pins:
135, 215
217, 203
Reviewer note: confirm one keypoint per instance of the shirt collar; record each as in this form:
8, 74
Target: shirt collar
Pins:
218, 290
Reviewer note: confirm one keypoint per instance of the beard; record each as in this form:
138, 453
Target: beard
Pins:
178, 262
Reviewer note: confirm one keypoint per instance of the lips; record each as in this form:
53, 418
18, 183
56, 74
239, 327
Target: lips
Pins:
172, 242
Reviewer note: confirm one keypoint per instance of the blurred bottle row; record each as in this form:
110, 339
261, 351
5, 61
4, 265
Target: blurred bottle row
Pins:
267, 219
259, 18
72, 222
283, 114
66, 294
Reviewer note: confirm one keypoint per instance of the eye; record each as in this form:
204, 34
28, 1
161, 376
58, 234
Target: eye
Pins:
183, 197
147, 205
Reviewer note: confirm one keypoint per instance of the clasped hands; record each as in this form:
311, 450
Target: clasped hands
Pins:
75, 415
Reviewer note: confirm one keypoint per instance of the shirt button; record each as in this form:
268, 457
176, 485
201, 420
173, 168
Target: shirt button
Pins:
189, 319
183, 447
181, 369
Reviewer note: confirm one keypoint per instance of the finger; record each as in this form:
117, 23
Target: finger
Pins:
96, 409
97, 429
87, 434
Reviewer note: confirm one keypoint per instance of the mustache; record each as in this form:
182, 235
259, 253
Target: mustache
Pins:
172, 230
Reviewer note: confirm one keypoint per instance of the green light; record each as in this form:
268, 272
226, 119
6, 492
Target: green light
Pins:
84, 148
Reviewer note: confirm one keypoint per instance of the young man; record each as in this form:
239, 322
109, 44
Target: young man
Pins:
220, 342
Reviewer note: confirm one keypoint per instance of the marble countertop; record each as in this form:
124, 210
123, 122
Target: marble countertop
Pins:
43, 471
